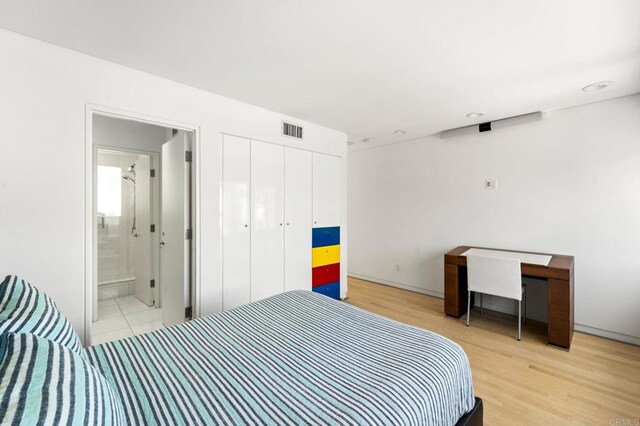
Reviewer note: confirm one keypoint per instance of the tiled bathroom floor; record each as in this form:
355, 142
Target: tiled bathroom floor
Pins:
122, 317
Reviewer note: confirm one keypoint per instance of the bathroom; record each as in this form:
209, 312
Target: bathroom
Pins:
116, 224
127, 160
127, 298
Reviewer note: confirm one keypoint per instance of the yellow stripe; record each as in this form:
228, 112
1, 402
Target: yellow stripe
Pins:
325, 255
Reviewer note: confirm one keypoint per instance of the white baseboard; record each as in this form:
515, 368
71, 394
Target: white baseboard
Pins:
513, 311
613, 335
607, 334
437, 294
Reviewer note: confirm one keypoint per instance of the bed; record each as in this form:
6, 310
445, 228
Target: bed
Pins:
295, 358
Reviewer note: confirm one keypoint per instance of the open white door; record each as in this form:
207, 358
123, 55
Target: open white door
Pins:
142, 245
175, 265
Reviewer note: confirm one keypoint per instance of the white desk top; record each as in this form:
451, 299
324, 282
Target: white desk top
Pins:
533, 259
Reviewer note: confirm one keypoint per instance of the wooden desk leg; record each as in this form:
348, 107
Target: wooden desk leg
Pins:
560, 313
455, 290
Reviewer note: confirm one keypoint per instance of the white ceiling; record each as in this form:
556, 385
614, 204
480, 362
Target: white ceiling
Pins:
366, 67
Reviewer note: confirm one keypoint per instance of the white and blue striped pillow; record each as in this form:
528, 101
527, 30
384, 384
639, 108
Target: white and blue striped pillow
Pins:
42, 382
25, 309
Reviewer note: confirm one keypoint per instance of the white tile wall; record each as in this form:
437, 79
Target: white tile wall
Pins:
115, 242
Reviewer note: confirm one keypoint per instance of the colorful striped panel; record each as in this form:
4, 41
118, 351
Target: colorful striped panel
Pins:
322, 275
328, 255
25, 309
331, 290
44, 383
326, 236
295, 358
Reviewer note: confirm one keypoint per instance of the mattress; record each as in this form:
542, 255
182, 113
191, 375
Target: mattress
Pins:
295, 358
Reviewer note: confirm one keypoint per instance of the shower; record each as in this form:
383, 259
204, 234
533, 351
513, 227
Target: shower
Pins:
132, 170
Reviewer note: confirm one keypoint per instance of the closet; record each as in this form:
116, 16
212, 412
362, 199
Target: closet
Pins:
272, 199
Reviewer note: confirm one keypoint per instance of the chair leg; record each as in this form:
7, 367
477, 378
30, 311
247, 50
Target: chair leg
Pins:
468, 306
481, 300
519, 319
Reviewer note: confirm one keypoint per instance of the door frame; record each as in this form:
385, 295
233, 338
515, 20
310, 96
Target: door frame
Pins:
90, 204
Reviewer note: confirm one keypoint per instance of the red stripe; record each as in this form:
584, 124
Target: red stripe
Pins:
326, 274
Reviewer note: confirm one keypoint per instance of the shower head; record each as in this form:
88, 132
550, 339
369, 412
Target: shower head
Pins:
132, 168
128, 178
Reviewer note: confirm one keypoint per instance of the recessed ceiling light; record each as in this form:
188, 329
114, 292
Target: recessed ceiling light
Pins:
400, 132
475, 114
597, 86
367, 140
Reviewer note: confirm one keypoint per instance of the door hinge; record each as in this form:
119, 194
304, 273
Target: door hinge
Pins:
152, 283
188, 234
153, 228
188, 312
152, 172
188, 156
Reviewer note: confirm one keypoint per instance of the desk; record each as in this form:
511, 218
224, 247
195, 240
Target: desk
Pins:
559, 275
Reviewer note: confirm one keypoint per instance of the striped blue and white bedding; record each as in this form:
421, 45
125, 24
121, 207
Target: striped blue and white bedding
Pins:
295, 358
45, 383
25, 309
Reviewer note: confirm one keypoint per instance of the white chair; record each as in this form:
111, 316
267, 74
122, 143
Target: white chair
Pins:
498, 276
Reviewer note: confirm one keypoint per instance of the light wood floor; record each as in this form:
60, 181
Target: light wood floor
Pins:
526, 382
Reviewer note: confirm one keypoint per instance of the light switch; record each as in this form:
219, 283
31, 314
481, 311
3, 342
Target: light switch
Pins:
490, 184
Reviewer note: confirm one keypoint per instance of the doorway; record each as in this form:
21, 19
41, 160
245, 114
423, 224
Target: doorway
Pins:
142, 227
128, 300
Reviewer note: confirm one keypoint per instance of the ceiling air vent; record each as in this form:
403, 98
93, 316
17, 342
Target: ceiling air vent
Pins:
291, 130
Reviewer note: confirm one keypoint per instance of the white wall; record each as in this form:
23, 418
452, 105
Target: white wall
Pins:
569, 184
45, 91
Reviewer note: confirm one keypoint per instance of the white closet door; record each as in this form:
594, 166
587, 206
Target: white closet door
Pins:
326, 190
236, 222
298, 189
267, 220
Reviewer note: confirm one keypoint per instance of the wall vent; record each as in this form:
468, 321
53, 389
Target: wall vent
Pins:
291, 130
